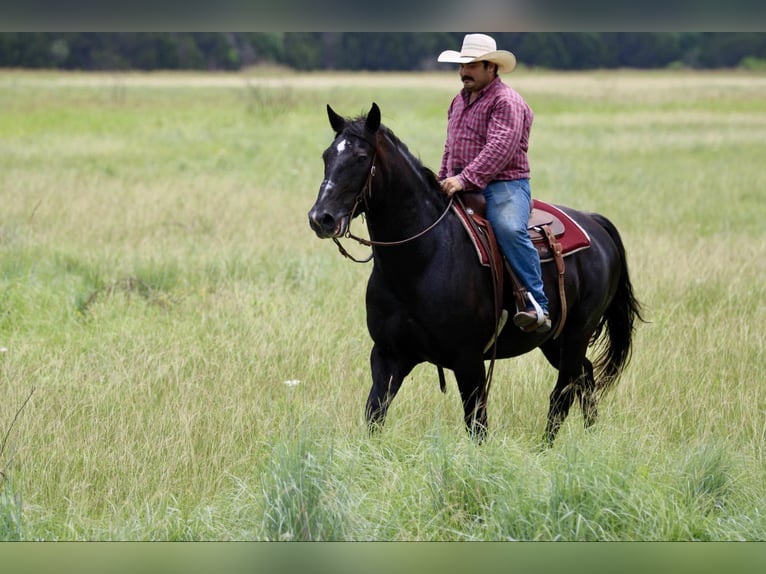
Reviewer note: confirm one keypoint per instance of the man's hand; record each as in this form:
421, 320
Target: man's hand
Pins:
451, 186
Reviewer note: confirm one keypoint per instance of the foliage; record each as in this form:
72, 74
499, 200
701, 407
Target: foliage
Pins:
753, 64
10, 514
367, 51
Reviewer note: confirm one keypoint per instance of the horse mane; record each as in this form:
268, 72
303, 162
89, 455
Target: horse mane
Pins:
357, 128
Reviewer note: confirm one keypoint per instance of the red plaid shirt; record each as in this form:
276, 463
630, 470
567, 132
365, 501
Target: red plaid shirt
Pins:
488, 139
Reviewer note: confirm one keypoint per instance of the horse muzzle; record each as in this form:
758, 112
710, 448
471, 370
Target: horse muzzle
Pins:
327, 225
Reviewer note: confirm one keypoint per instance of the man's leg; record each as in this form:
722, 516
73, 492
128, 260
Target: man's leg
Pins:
508, 207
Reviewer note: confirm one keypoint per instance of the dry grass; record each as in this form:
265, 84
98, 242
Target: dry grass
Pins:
161, 291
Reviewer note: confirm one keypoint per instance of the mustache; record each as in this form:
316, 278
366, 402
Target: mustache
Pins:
464, 78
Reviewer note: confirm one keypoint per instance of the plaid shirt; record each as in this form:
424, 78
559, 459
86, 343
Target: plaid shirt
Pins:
488, 139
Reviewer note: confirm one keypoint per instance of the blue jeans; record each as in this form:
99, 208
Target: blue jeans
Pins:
508, 206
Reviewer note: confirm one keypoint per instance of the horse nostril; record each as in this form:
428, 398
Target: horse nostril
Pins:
322, 222
327, 221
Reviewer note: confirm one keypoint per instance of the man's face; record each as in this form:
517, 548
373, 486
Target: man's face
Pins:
475, 76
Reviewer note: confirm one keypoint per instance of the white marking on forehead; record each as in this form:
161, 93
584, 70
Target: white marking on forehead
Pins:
341, 145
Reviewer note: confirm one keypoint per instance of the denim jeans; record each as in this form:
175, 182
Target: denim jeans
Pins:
508, 206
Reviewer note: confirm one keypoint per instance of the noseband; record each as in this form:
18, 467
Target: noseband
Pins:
363, 195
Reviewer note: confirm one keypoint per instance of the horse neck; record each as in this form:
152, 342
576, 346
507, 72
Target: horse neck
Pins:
401, 201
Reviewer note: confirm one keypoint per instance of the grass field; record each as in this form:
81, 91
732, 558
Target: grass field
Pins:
196, 361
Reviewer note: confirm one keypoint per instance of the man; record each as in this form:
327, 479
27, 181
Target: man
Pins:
488, 126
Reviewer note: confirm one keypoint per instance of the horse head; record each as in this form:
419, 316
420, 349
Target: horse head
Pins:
349, 164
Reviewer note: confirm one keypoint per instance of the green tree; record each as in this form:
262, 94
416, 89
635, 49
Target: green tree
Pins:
302, 50
729, 49
368, 50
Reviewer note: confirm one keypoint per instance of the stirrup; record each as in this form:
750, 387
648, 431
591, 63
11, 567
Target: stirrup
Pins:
526, 322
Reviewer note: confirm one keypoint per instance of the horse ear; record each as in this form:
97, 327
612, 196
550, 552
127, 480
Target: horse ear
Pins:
337, 122
373, 119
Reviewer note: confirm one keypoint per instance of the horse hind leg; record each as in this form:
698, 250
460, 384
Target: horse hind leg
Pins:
578, 384
561, 400
586, 393
471, 381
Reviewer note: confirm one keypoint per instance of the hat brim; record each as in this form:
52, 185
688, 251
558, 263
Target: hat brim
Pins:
505, 60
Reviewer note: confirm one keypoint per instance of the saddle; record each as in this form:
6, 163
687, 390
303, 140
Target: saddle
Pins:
554, 234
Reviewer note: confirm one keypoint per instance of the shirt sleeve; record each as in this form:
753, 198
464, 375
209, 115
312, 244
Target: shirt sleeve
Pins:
445, 162
445, 154
504, 131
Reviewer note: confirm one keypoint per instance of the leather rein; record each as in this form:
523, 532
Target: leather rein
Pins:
364, 194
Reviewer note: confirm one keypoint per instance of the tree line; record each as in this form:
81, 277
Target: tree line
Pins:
373, 51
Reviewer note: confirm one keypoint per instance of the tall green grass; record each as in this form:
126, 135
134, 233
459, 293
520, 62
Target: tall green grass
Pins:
198, 360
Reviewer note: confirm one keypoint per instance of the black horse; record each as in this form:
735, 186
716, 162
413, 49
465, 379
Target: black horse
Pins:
430, 300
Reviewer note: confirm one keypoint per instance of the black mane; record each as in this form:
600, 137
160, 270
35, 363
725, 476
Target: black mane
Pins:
356, 128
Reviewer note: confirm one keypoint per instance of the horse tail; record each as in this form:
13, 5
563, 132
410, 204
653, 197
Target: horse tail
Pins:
619, 319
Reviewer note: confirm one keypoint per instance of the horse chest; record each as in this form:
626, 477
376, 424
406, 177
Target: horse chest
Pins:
427, 313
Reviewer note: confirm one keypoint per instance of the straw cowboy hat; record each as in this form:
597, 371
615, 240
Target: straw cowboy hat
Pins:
478, 47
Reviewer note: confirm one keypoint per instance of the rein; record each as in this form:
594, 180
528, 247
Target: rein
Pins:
363, 195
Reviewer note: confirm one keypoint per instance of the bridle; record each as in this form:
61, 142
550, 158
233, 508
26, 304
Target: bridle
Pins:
364, 194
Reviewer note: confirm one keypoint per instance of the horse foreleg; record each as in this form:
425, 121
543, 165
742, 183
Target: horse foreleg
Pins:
388, 373
470, 376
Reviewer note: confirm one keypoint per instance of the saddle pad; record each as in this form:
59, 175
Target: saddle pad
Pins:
568, 232
572, 237
464, 217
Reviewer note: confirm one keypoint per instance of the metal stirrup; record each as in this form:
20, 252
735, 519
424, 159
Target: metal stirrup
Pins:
538, 309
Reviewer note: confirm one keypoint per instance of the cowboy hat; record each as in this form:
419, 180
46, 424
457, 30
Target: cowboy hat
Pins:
478, 47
